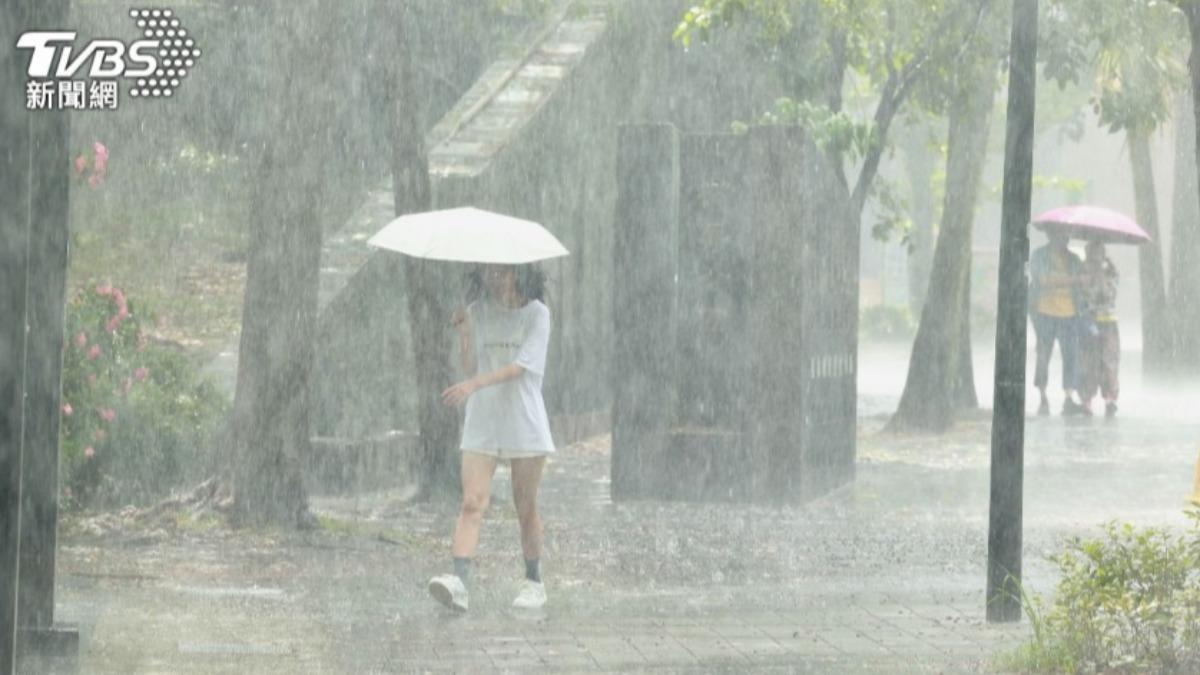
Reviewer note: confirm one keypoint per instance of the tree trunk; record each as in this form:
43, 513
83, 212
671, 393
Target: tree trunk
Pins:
964, 395
919, 165
936, 384
1156, 328
428, 284
1185, 233
269, 430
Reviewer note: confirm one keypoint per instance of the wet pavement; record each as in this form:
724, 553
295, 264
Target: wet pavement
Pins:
885, 575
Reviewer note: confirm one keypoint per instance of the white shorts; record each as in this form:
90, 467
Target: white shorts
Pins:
503, 454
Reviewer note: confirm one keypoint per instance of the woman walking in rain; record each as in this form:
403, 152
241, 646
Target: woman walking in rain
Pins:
503, 337
1100, 341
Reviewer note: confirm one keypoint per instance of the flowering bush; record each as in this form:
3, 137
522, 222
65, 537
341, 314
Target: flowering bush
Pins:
136, 418
93, 163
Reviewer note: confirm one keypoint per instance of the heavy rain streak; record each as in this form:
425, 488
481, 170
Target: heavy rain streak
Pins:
684, 336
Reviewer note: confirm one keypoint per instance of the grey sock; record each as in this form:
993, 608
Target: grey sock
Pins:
532, 572
462, 569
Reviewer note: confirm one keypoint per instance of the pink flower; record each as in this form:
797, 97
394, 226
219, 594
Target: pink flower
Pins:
67, 409
100, 166
105, 288
122, 305
108, 414
114, 323
80, 165
141, 373
95, 180
81, 340
94, 352
91, 379
89, 452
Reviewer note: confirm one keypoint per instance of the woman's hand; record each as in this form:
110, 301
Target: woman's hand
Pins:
455, 395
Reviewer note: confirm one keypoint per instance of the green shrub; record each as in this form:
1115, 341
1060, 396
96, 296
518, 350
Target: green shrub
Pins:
137, 418
1127, 603
887, 322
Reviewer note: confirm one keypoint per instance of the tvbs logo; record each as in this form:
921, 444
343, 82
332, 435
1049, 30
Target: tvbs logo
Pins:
156, 65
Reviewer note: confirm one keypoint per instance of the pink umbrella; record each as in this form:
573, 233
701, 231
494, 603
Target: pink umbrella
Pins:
1092, 222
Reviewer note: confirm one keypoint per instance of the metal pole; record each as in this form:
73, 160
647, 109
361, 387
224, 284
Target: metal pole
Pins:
1008, 412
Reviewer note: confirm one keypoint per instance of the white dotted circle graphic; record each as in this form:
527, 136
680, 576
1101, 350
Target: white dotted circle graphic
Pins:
175, 51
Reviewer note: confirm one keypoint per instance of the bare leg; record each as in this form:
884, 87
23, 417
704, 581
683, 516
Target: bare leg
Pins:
526, 477
477, 471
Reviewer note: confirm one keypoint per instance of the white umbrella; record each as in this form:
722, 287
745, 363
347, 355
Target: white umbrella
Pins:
469, 235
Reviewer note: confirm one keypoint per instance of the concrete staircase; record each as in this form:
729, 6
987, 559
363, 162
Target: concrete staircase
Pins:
489, 116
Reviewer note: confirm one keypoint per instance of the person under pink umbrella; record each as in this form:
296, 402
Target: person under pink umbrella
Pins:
1093, 290
1054, 311
1100, 340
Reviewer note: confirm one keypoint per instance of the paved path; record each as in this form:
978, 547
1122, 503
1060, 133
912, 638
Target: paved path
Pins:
885, 575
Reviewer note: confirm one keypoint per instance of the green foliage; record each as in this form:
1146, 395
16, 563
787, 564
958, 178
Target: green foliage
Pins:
532, 8
700, 20
136, 417
834, 132
891, 214
1127, 603
887, 323
1135, 48
1073, 189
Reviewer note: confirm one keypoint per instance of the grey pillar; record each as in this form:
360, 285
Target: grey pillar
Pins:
644, 273
49, 213
14, 262
777, 425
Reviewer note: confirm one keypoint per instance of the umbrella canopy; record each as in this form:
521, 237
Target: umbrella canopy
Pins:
1093, 222
469, 235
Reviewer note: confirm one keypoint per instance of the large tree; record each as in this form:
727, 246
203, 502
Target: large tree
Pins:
893, 44
900, 47
1185, 242
940, 377
269, 426
1133, 48
428, 284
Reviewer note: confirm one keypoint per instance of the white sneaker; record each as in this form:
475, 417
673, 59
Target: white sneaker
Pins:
532, 595
449, 590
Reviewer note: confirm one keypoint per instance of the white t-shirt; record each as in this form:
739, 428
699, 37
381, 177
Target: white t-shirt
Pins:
510, 416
